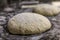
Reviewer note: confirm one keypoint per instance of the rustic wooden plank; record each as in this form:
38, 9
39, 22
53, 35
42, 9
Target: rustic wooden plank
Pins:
29, 2
28, 6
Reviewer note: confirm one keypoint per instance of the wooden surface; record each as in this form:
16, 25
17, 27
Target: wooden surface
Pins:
52, 34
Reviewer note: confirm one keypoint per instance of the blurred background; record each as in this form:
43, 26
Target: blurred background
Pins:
19, 3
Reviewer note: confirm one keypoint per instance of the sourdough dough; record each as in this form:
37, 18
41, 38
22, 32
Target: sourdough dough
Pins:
47, 9
28, 23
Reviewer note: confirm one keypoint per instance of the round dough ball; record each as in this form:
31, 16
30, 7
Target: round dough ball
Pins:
47, 9
28, 23
56, 3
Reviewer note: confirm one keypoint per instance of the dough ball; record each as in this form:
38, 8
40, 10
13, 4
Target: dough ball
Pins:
28, 23
47, 9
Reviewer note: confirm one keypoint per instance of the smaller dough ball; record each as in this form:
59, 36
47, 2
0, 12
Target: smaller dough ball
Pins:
56, 3
28, 23
47, 9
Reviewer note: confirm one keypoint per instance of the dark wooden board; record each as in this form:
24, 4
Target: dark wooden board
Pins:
52, 34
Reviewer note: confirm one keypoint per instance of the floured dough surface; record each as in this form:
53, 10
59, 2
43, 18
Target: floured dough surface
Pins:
56, 3
28, 23
47, 9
